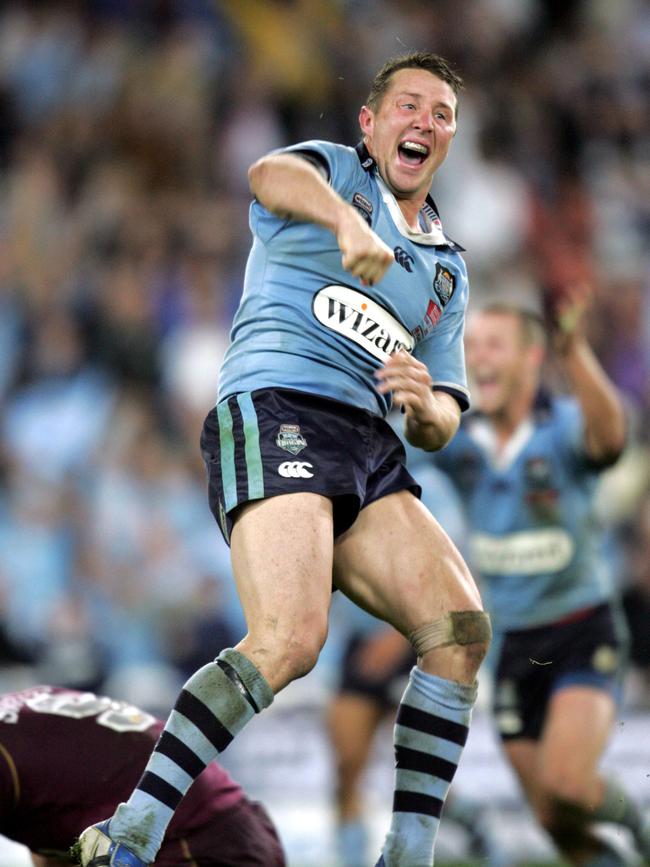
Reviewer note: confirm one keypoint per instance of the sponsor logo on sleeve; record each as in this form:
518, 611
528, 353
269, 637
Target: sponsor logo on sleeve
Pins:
431, 319
444, 284
359, 318
363, 206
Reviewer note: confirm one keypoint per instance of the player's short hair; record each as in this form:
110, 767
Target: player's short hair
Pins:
532, 326
426, 60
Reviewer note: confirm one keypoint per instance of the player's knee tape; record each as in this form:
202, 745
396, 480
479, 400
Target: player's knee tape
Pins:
456, 627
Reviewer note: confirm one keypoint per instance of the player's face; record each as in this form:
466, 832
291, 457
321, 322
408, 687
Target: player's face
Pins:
410, 132
499, 362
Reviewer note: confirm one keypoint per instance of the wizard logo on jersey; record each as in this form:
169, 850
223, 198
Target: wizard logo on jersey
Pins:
444, 284
290, 439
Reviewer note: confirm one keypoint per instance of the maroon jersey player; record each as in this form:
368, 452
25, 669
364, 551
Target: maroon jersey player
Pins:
67, 758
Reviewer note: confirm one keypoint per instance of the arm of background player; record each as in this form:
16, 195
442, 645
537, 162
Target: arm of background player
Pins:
289, 186
604, 416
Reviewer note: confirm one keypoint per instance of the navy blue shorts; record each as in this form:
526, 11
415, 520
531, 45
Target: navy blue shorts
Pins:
386, 690
587, 649
277, 441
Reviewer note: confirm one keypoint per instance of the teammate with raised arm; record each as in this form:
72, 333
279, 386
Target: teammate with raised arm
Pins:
67, 757
526, 463
353, 298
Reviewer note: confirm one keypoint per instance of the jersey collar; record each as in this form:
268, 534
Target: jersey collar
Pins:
435, 237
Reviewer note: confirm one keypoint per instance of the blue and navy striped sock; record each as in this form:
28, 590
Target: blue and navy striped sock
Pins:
430, 732
213, 706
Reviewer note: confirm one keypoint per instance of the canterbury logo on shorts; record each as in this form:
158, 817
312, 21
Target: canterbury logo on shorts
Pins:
296, 470
361, 319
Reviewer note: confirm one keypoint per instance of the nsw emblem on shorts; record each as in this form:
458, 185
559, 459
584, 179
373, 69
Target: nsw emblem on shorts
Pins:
290, 439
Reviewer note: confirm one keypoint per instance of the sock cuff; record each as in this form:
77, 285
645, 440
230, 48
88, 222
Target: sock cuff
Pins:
251, 676
448, 693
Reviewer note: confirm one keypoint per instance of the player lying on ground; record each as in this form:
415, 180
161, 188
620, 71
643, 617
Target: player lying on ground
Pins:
68, 758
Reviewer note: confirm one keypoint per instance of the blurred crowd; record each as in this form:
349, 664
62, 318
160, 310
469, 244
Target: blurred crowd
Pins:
126, 129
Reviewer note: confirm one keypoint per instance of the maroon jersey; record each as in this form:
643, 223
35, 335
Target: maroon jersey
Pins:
68, 758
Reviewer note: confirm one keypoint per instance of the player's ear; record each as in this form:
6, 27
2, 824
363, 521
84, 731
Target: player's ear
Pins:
366, 120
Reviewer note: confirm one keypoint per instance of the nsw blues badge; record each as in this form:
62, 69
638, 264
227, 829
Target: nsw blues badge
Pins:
290, 439
444, 284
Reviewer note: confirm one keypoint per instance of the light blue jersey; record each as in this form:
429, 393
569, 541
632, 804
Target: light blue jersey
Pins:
533, 538
305, 323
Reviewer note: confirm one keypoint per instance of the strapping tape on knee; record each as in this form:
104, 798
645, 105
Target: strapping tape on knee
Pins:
456, 627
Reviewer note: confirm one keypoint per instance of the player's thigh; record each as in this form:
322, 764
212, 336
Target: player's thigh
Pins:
576, 731
281, 551
397, 562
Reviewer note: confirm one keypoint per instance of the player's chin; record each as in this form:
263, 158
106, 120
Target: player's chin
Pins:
409, 180
490, 405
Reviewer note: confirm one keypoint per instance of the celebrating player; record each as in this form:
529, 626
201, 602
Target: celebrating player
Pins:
353, 298
67, 758
526, 464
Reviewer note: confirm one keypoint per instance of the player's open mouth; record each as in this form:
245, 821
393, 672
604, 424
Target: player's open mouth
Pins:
487, 382
412, 153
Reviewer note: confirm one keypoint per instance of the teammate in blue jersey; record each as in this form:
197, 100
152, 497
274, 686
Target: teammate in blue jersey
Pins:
525, 464
353, 298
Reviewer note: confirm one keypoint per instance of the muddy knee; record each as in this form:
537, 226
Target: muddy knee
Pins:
457, 642
285, 652
462, 628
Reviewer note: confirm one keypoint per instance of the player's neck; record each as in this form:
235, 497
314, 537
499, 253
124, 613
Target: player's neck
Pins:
507, 421
411, 208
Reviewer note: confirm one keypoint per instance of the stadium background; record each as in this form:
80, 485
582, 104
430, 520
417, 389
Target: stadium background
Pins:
126, 128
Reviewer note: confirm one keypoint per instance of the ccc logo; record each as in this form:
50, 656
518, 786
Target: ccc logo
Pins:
404, 259
295, 470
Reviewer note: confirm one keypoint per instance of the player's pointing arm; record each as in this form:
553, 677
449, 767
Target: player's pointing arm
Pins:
289, 186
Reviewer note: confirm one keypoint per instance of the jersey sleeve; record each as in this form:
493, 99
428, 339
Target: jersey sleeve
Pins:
340, 163
443, 350
339, 166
